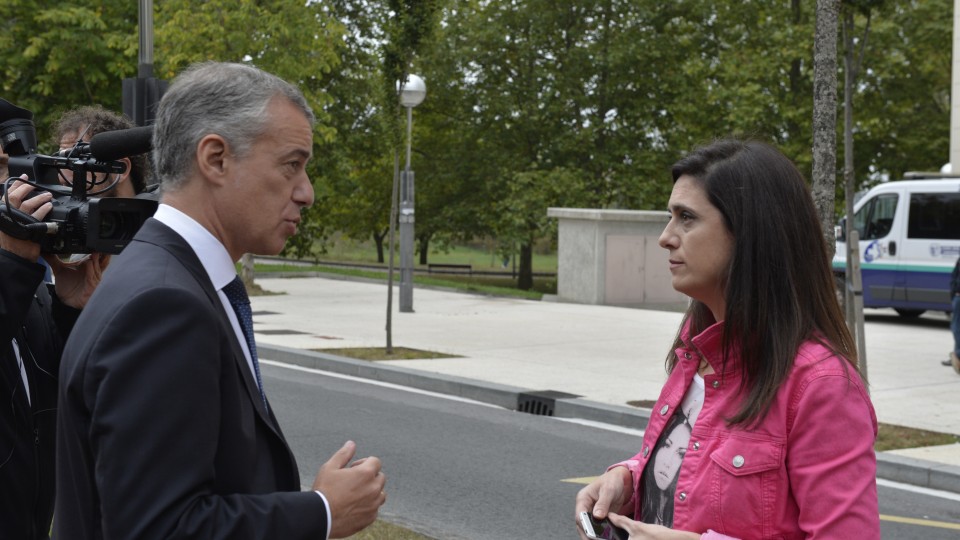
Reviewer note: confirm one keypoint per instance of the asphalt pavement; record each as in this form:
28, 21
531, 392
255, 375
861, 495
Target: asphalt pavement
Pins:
582, 361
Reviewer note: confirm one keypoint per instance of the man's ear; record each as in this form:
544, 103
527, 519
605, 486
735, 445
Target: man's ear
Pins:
125, 177
212, 154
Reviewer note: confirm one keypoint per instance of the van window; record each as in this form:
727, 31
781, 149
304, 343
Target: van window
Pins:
934, 216
875, 218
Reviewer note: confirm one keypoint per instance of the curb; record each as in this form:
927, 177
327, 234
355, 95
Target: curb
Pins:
896, 468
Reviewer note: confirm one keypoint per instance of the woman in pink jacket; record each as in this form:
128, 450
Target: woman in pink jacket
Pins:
764, 428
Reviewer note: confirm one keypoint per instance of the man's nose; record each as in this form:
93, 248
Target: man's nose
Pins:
303, 195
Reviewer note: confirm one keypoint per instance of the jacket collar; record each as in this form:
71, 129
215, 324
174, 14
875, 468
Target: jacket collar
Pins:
709, 343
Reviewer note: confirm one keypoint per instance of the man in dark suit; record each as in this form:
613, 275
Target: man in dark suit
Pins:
164, 430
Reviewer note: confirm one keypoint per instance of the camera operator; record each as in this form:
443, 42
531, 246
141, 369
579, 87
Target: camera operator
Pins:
80, 125
35, 320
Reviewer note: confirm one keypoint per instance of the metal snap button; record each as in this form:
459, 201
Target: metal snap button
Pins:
738, 461
696, 445
683, 496
716, 384
646, 450
686, 355
664, 409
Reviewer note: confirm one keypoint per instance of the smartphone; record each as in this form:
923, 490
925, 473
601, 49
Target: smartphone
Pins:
601, 529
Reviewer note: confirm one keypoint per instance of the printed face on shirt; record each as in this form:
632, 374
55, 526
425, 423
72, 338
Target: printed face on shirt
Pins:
699, 243
666, 464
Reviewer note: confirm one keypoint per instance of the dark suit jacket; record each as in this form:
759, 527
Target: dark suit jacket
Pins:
34, 316
162, 432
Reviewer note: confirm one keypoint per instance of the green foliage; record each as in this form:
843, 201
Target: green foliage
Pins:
520, 217
298, 42
59, 56
902, 104
531, 103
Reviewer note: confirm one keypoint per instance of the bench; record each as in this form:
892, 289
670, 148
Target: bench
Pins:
449, 268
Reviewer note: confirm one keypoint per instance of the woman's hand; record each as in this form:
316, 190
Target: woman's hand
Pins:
613, 489
646, 531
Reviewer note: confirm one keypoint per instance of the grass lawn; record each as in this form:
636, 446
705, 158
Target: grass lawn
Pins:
892, 437
479, 255
493, 285
381, 530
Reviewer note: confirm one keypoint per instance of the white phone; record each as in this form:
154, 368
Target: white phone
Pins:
602, 529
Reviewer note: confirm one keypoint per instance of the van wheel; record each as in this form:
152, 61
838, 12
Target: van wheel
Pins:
909, 313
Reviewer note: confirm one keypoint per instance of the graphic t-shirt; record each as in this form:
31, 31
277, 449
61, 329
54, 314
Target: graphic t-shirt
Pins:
659, 479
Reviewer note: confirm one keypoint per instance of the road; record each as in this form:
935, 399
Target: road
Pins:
464, 470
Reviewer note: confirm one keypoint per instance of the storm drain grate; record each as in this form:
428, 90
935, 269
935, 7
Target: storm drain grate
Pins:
540, 403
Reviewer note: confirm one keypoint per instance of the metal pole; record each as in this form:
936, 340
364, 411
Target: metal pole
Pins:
145, 69
407, 226
857, 292
955, 94
410, 131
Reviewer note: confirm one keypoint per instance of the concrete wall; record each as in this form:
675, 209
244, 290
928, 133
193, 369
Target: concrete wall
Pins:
611, 257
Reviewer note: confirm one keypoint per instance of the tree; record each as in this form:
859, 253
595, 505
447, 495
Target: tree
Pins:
825, 116
58, 56
523, 218
287, 37
903, 93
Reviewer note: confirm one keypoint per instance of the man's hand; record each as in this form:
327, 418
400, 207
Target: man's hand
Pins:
37, 207
354, 491
74, 283
613, 488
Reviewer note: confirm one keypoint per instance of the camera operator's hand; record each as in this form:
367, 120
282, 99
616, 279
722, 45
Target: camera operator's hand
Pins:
74, 283
37, 207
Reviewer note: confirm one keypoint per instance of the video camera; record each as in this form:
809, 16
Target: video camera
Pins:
78, 222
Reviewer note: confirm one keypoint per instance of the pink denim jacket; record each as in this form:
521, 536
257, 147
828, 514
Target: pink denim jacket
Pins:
807, 470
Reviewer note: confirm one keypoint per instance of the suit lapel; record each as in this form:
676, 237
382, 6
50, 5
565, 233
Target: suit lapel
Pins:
156, 233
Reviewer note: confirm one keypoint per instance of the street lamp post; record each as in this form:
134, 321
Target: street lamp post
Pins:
411, 94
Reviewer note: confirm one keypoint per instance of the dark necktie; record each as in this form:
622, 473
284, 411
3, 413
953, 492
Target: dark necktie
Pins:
237, 295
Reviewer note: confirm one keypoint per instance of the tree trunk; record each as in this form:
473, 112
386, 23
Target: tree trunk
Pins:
392, 226
848, 184
825, 117
525, 279
378, 240
246, 270
424, 248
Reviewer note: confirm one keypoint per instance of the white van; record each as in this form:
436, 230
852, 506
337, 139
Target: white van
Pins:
909, 242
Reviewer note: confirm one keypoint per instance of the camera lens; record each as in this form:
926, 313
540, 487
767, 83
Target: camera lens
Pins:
110, 224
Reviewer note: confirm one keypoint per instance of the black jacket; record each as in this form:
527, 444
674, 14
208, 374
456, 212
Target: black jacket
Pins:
30, 313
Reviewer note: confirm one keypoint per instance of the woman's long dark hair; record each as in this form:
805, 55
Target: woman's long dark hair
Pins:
779, 287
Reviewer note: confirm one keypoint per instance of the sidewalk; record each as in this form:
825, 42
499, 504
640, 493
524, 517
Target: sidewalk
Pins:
605, 355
